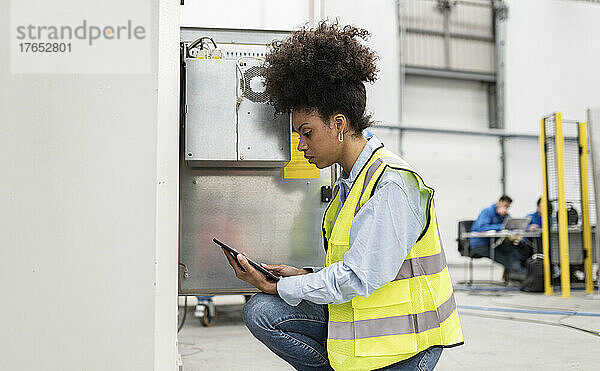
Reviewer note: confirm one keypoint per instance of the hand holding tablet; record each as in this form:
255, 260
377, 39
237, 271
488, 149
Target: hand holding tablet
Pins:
255, 265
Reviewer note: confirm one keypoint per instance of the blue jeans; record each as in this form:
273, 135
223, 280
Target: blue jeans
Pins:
299, 334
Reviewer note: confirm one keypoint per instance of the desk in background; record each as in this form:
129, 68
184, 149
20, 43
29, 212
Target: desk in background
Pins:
576, 252
497, 237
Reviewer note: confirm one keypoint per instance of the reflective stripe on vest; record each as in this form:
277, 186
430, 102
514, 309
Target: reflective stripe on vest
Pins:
397, 325
411, 313
422, 266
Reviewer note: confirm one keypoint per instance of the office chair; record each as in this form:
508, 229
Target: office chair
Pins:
464, 246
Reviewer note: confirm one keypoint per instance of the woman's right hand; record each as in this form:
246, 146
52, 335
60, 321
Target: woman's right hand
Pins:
282, 270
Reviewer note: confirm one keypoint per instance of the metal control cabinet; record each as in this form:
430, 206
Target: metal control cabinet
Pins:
232, 183
229, 122
211, 130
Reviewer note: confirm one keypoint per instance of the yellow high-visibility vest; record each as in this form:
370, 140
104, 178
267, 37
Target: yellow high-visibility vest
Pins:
410, 314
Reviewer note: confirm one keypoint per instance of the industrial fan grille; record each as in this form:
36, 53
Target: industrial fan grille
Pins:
249, 93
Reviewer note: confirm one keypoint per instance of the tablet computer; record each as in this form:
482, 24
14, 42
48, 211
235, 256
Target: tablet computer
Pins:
234, 253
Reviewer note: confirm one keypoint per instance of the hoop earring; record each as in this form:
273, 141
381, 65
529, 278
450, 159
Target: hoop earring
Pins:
340, 137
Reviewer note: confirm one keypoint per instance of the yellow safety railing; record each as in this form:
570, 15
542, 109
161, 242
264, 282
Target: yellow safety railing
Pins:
585, 207
545, 217
563, 230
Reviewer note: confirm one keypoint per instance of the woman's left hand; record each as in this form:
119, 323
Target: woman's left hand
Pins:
251, 274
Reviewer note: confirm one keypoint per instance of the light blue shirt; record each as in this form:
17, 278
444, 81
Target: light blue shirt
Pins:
381, 236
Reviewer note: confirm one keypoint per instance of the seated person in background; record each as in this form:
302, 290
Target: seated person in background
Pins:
535, 222
536, 217
492, 219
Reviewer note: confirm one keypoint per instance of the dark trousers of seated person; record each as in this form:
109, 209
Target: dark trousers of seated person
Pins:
529, 246
506, 254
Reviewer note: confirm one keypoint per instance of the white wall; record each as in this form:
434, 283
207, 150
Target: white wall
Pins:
552, 59
552, 62
523, 175
379, 18
245, 14
88, 228
465, 173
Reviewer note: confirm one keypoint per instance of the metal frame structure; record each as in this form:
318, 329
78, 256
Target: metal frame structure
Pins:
585, 209
548, 290
552, 137
563, 233
493, 79
593, 119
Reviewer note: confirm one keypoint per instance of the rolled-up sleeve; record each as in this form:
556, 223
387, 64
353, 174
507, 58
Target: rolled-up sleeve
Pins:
381, 236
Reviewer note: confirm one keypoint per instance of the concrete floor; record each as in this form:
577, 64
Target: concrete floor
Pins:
493, 340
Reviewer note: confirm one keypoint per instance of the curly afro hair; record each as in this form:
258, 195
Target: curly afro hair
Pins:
322, 69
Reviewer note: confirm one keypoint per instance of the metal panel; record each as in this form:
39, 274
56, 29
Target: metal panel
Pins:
262, 135
211, 112
472, 55
423, 50
422, 14
255, 211
451, 104
262, 138
450, 74
500, 14
448, 34
473, 18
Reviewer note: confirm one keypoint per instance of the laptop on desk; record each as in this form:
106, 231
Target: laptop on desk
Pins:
515, 224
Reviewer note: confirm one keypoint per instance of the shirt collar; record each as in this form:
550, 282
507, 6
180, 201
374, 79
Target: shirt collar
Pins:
373, 143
